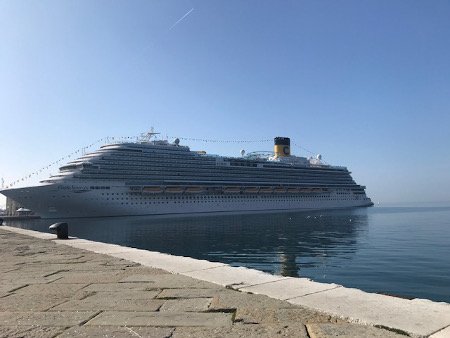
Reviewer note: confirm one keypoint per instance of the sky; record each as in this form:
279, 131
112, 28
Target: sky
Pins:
364, 83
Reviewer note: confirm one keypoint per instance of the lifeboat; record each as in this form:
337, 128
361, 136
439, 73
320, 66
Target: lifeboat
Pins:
293, 190
195, 190
279, 190
316, 190
305, 190
174, 190
152, 190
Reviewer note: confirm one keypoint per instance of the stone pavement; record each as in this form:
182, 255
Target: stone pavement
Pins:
48, 289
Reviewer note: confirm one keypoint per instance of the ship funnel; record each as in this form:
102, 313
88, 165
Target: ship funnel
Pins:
282, 146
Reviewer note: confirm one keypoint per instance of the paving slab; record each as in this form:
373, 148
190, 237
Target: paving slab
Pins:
71, 277
243, 331
4, 288
126, 294
8, 268
258, 315
188, 293
45, 319
117, 331
169, 319
235, 277
228, 299
117, 287
169, 281
107, 258
419, 317
27, 279
31, 331
174, 264
328, 330
61, 290
36, 302
105, 265
186, 305
112, 303
54, 268
40, 269
24, 272
56, 259
289, 288
96, 267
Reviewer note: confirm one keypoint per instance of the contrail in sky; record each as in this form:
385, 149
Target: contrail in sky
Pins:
181, 19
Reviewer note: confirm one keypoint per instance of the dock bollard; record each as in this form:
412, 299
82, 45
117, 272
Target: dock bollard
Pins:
62, 230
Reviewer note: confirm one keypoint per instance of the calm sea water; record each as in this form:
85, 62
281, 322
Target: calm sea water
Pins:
402, 251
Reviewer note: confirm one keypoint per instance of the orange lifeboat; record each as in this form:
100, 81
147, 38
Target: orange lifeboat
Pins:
293, 190
174, 190
152, 190
195, 190
251, 190
279, 190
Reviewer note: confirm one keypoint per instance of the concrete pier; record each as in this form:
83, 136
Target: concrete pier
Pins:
75, 287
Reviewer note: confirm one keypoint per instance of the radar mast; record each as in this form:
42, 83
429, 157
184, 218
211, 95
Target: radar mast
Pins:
147, 137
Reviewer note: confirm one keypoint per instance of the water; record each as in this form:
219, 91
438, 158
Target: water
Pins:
402, 251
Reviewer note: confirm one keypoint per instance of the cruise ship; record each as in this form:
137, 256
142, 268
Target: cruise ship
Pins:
157, 177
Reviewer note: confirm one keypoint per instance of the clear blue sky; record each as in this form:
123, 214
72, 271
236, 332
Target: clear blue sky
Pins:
364, 83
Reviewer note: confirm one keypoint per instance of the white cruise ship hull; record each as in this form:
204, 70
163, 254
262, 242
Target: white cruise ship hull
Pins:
65, 200
162, 178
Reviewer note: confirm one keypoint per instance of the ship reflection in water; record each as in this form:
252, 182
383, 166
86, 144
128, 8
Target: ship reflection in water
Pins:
288, 244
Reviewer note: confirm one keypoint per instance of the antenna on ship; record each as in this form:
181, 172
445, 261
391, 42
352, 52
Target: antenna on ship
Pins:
146, 137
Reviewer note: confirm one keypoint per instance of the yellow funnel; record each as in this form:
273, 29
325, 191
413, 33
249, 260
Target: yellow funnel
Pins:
282, 146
